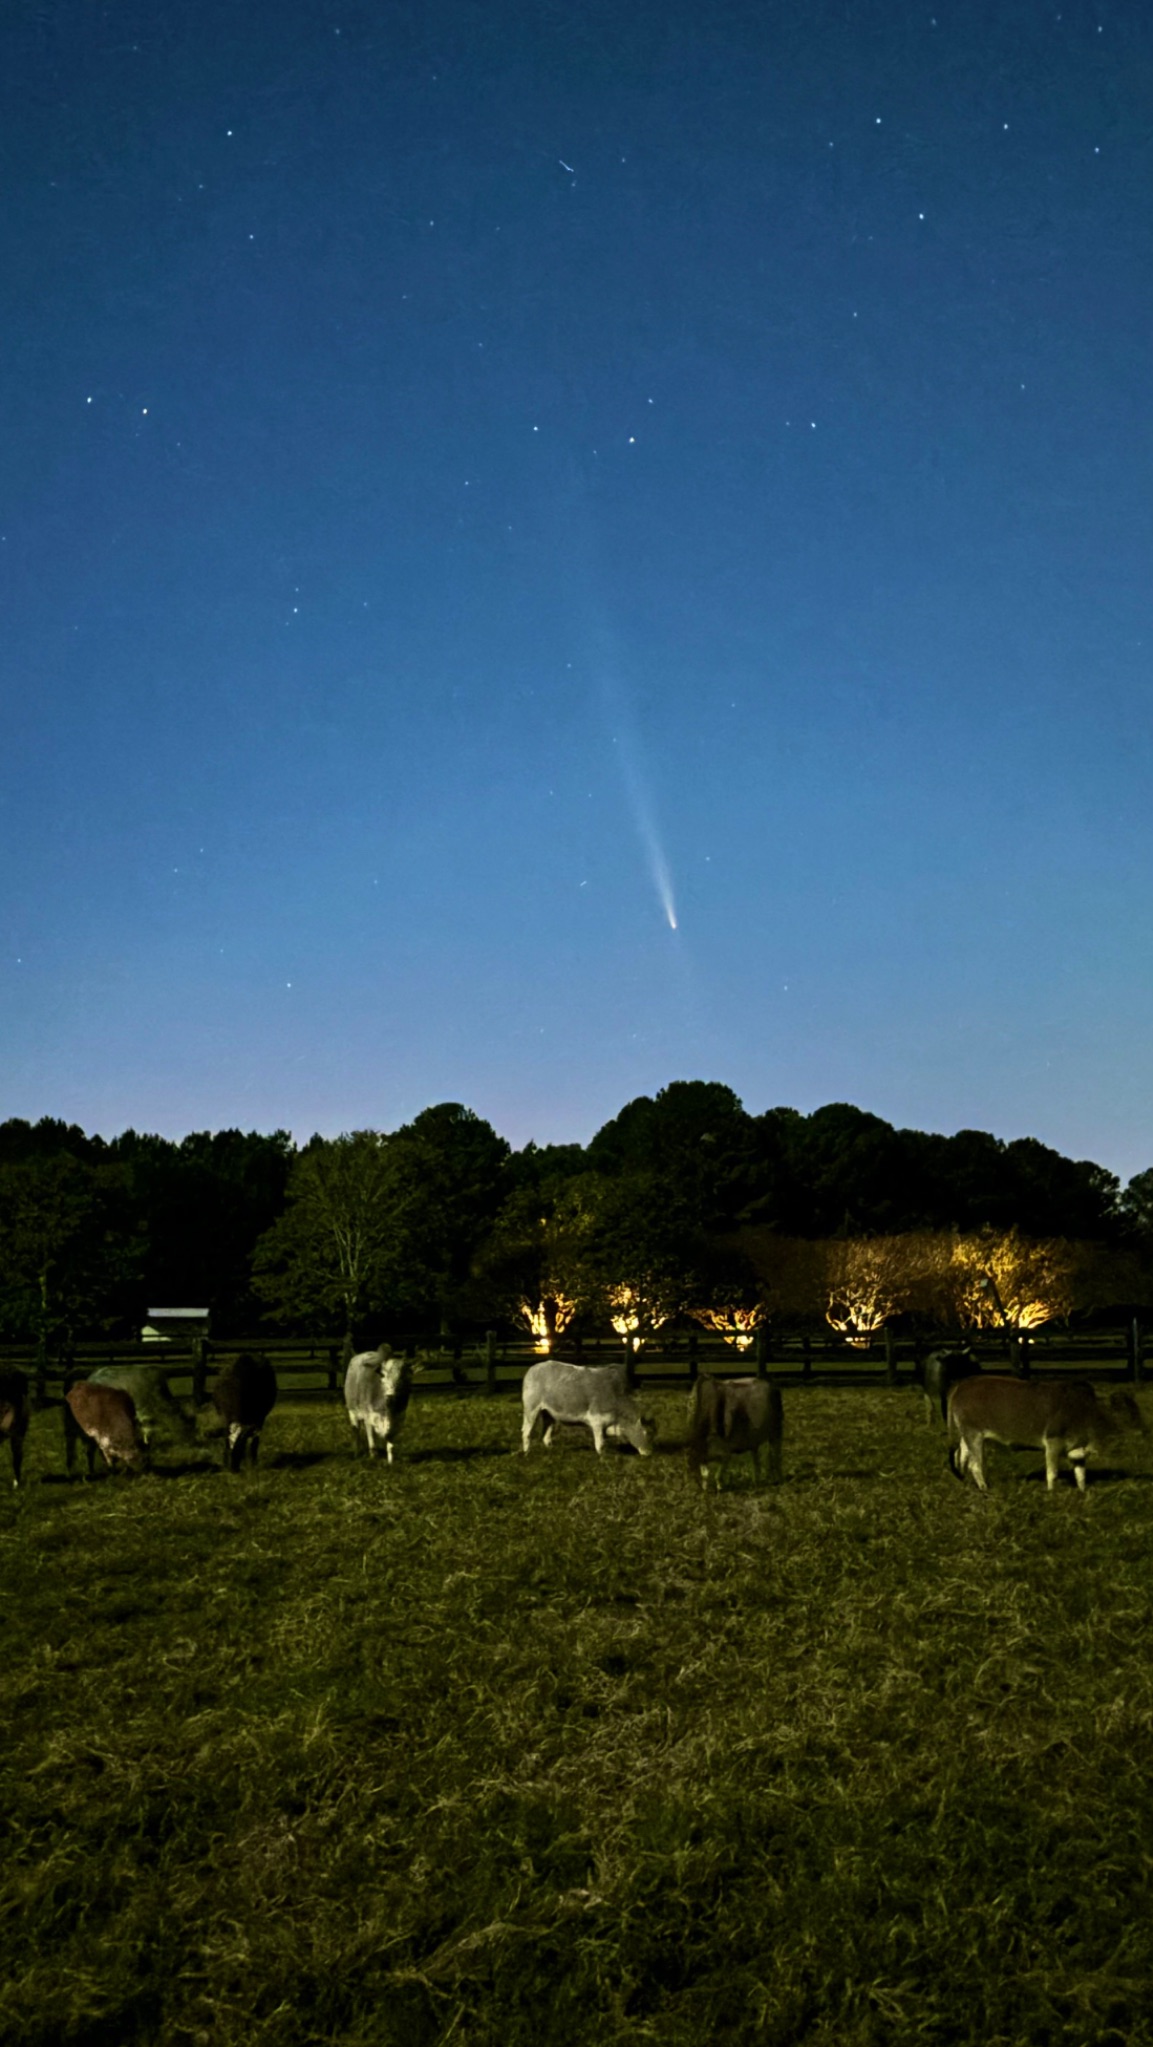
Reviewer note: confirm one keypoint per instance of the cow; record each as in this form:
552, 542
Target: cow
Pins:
730, 1416
244, 1395
14, 1415
105, 1417
945, 1369
595, 1395
376, 1391
158, 1412
1027, 1415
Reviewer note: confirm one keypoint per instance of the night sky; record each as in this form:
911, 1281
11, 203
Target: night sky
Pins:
549, 549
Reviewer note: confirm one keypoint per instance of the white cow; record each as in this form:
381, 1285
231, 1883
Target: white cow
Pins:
595, 1395
376, 1390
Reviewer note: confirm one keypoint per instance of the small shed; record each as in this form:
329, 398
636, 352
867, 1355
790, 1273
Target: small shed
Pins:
174, 1325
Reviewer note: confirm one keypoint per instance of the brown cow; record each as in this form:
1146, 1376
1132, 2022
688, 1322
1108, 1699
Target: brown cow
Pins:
14, 1414
105, 1416
244, 1395
729, 1416
1026, 1415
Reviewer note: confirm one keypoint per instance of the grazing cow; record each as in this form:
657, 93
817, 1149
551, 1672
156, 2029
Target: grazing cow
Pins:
730, 1416
14, 1414
158, 1412
594, 1395
244, 1395
105, 1417
1029, 1416
376, 1390
945, 1369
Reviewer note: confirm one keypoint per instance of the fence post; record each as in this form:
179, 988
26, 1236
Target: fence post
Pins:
694, 1347
1019, 1353
760, 1349
890, 1357
490, 1360
1136, 1361
807, 1356
332, 1368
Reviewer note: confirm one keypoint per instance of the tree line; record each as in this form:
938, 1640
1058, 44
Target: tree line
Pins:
683, 1203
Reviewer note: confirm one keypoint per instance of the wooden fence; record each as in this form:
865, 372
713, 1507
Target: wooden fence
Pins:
492, 1363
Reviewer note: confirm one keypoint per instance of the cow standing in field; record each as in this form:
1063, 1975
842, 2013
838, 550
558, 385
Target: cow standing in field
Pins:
158, 1412
1028, 1416
945, 1369
105, 1418
14, 1415
730, 1416
594, 1395
244, 1395
376, 1391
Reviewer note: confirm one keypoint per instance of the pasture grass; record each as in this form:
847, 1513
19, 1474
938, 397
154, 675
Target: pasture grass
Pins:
489, 1749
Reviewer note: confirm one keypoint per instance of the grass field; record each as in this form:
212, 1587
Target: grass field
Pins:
489, 1749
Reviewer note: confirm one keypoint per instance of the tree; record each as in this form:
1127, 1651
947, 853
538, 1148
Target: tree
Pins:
330, 1257
535, 1265
451, 1175
1004, 1280
70, 1253
643, 1252
693, 1137
868, 1279
1136, 1208
204, 1203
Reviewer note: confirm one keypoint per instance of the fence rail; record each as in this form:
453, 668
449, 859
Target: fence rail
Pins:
493, 1363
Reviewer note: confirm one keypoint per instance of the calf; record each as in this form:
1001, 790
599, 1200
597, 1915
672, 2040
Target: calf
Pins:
105, 1418
730, 1416
945, 1369
1027, 1415
376, 1390
14, 1415
595, 1395
158, 1412
244, 1395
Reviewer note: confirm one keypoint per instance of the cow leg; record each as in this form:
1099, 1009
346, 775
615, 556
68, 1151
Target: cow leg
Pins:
17, 1457
756, 1457
1052, 1460
253, 1447
598, 1428
1077, 1460
527, 1428
972, 1458
388, 1448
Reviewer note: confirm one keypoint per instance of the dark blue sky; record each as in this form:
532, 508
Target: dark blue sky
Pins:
481, 480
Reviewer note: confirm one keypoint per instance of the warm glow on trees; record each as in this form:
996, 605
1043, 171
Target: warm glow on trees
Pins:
637, 1311
737, 1325
1000, 1280
867, 1279
548, 1318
